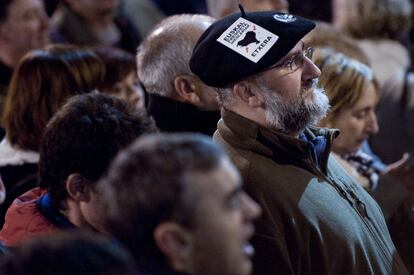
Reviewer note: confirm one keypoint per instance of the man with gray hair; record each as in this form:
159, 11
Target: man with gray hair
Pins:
178, 100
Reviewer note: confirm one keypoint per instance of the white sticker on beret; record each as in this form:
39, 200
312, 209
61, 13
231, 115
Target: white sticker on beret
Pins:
284, 17
248, 39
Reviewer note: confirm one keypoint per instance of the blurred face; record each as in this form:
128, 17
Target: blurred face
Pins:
26, 26
356, 123
224, 223
92, 9
129, 90
290, 99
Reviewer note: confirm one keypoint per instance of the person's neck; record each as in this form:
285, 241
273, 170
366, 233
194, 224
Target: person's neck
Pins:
98, 22
72, 212
101, 23
105, 30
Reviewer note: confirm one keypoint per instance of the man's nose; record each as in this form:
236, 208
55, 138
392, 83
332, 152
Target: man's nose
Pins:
373, 127
310, 70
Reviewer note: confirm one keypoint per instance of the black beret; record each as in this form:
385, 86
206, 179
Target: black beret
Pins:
243, 44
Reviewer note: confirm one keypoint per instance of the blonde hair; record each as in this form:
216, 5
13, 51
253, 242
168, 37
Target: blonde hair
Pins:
344, 79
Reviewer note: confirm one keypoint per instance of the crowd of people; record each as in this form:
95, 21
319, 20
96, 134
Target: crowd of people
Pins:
217, 137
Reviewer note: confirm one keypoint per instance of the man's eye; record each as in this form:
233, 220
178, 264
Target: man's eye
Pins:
294, 62
290, 63
297, 60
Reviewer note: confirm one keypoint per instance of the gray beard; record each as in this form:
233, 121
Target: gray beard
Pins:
293, 117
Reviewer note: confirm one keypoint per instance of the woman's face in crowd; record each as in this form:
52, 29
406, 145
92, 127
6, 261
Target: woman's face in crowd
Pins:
129, 90
356, 123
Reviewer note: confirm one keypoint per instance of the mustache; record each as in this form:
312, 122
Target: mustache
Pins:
314, 86
310, 84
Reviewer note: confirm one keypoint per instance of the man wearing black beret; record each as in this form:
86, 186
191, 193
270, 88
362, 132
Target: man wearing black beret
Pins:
316, 218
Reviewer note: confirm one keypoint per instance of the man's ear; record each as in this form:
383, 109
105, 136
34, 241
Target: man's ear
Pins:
248, 95
78, 187
186, 87
175, 242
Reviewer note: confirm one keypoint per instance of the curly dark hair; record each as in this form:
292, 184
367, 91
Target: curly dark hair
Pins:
83, 137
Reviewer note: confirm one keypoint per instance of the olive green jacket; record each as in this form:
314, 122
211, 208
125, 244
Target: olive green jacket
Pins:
315, 220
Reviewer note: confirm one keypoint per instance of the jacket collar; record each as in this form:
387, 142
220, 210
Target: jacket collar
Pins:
48, 210
274, 144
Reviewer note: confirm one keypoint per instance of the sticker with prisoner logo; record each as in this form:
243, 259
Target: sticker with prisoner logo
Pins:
248, 39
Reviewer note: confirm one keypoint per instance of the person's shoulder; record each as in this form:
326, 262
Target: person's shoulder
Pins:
23, 219
30, 197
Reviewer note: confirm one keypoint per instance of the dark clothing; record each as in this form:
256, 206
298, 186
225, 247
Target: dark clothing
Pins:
68, 27
316, 219
173, 116
156, 269
14, 174
18, 169
401, 226
5, 74
5, 77
51, 6
171, 7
